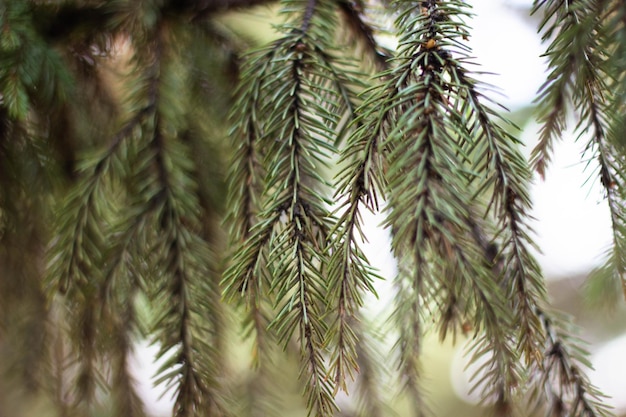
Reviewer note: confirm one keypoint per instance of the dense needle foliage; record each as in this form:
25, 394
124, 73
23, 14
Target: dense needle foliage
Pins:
164, 177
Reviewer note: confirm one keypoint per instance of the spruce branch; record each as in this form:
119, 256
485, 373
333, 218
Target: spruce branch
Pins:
510, 205
295, 224
126, 401
502, 177
171, 194
606, 112
583, 74
607, 126
577, 75
557, 376
245, 175
76, 257
560, 382
427, 155
69, 262
349, 273
31, 73
156, 171
246, 182
81, 266
297, 248
359, 186
408, 317
186, 256
370, 399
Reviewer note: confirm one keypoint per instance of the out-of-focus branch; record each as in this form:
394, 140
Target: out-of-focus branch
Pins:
59, 22
205, 8
351, 13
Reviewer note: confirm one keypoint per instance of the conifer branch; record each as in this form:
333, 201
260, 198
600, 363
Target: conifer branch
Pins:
75, 260
408, 317
595, 101
245, 176
298, 247
563, 383
556, 376
359, 186
178, 324
582, 70
190, 364
567, 55
309, 227
370, 401
126, 401
121, 284
425, 146
245, 188
157, 169
349, 273
605, 108
510, 204
578, 60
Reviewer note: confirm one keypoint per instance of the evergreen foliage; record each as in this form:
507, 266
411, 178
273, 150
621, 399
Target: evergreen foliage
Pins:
165, 178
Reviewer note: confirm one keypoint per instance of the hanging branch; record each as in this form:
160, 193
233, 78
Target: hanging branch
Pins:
245, 188
76, 258
183, 339
418, 119
408, 317
181, 327
560, 385
161, 190
556, 378
509, 204
287, 247
370, 400
576, 61
296, 248
359, 186
579, 58
80, 265
349, 273
608, 127
582, 73
246, 172
501, 177
609, 277
126, 401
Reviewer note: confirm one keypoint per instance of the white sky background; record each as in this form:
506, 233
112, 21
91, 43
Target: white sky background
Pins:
572, 224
